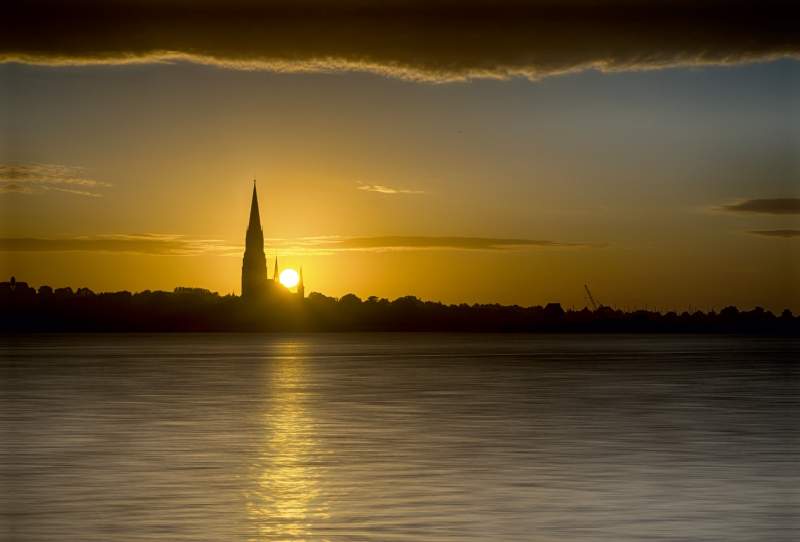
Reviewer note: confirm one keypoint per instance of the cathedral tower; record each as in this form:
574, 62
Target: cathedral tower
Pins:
254, 266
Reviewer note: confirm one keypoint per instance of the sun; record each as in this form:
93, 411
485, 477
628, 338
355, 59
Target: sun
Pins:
289, 278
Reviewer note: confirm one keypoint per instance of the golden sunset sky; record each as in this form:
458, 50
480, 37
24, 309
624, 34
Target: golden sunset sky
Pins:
492, 152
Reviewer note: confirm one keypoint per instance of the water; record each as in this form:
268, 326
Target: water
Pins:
399, 437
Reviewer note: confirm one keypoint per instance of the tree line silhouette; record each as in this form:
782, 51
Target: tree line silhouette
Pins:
25, 309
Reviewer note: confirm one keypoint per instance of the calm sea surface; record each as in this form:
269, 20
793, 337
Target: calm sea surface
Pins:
399, 437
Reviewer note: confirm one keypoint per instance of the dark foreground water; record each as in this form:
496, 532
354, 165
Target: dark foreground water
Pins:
399, 437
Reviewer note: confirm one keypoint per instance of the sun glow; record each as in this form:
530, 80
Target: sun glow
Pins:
289, 278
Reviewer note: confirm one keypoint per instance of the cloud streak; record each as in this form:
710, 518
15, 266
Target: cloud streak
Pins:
15, 188
32, 178
437, 41
319, 246
179, 245
786, 234
763, 206
153, 244
386, 190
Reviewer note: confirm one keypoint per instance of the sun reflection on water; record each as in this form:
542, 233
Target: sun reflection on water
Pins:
287, 494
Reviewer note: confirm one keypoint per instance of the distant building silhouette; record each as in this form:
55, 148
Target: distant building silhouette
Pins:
254, 265
276, 275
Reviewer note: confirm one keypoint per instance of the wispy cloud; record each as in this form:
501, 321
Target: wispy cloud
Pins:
332, 245
68, 191
776, 233
386, 190
148, 243
763, 206
423, 40
179, 245
14, 187
31, 178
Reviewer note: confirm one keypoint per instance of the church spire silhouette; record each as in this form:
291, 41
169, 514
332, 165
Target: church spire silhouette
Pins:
301, 290
276, 276
255, 216
254, 264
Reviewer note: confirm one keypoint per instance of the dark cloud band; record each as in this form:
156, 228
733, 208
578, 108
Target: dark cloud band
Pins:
786, 234
413, 40
764, 206
178, 245
420, 242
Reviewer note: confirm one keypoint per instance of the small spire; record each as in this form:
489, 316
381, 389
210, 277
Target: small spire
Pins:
276, 276
301, 290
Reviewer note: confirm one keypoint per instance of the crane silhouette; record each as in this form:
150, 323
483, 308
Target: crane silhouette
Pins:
594, 304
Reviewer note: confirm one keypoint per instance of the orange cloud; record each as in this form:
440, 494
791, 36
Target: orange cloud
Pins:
386, 190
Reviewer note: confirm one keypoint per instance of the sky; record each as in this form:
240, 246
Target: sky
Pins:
497, 152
